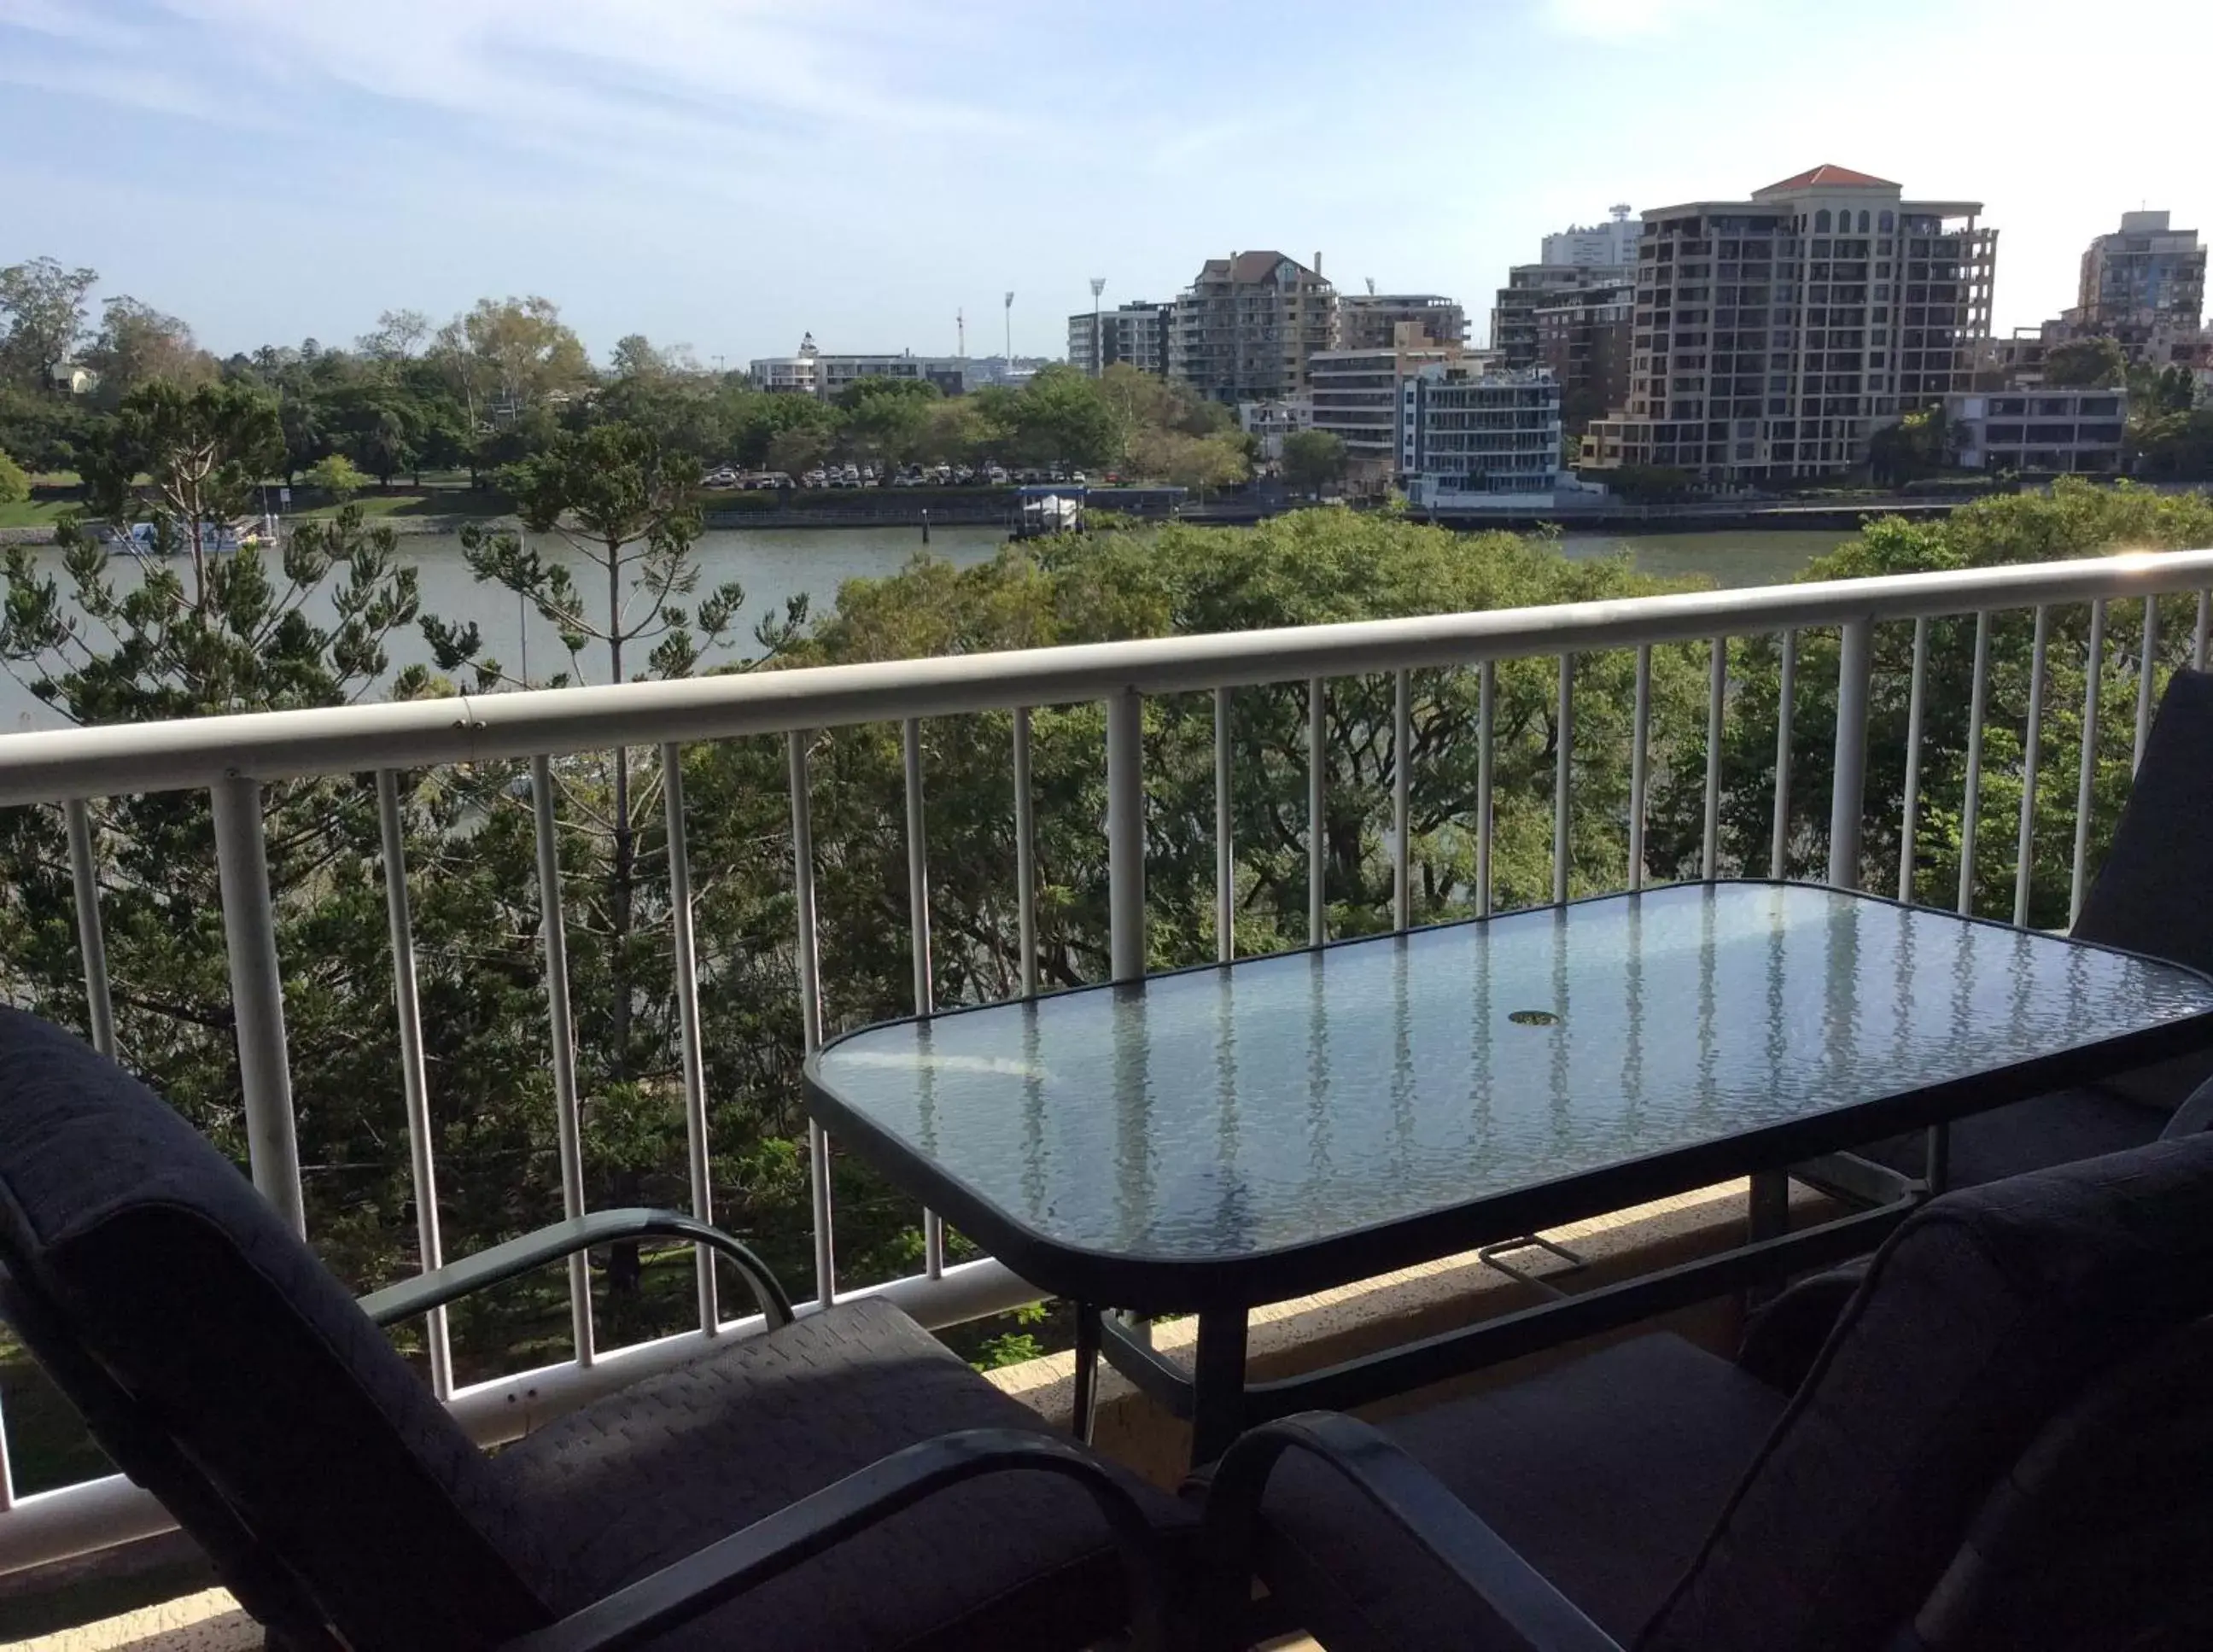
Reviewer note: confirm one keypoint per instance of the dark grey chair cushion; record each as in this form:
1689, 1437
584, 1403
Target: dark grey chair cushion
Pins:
204, 1306
1984, 1316
1605, 1473
636, 1481
2044, 1129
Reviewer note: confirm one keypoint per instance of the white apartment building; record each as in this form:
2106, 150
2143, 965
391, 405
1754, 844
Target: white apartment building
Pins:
1773, 336
1136, 334
812, 373
2072, 430
1610, 243
1469, 439
1269, 421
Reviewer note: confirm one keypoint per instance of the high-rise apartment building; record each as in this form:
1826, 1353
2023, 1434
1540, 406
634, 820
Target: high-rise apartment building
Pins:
1247, 326
2144, 287
1135, 333
1372, 320
1531, 288
1489, 438
1773, 336
1610, 243
1355, 397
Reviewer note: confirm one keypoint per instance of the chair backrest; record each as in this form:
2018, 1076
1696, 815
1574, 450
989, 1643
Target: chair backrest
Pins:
2098, 1534
219, 1363
2155, 892
1988, 1314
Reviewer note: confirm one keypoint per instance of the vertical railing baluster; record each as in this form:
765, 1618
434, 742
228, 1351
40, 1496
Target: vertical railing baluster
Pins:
1486, 695
2147, 673
567, 1112
1026, 853
91, 941
2031, 750
1317, 800
810, 1004
1125, 835
1564, 749
257, 989
414, 1083
1716, 692
1561, 779
2086, 780
683, 946
1402, 770
1786, 701
6, 1469
917, 913
1225, 847
1848, 798
1916, 699
1971, 806
1640, 740
2204, 636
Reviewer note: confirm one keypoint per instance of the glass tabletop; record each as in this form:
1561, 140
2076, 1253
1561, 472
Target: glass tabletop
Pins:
1224, 1112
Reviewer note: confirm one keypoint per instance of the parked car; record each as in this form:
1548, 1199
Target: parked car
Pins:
815, 479
723, 478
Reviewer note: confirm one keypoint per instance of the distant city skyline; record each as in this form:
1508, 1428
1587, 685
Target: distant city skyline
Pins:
732, 177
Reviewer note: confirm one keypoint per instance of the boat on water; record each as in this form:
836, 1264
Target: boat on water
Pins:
219, 538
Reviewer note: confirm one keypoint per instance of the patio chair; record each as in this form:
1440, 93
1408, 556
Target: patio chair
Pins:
841, 1480
2155, 896
2006, 1441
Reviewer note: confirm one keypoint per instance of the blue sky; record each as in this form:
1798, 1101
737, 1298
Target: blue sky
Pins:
729, 173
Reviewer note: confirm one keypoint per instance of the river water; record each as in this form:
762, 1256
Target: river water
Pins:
773, 563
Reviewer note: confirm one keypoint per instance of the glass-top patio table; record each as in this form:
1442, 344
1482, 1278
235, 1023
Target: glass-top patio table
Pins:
1220, 1137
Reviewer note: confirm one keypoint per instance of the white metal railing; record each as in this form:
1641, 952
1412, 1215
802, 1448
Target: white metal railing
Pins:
231, 758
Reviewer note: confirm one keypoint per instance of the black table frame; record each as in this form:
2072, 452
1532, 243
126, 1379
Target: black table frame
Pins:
1214, 1393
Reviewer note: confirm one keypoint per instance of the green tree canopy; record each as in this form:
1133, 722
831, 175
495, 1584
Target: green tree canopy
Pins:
44, 305
2086, 361
15, 485
1314, 459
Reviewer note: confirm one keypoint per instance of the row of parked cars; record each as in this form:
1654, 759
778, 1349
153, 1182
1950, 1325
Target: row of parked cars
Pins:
909, 475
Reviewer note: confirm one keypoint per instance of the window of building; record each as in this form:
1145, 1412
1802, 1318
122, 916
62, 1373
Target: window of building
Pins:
1863, 221
1821, 222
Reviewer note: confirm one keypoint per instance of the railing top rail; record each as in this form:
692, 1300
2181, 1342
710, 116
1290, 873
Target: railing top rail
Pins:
49, 765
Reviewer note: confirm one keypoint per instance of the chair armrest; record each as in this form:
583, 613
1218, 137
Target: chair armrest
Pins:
774, 1544
1510, 1606
1782, 1338
410, 1297
2195, 1115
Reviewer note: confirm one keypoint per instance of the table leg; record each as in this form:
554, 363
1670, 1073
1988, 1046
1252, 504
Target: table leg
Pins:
1217, 1406
1939, 1172
1086, 1369
1767, 1216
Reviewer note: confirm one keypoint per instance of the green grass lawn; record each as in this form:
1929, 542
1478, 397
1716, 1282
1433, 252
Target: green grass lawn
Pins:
33, 513
406, 502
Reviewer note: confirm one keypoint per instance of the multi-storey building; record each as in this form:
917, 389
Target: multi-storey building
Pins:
1269, 421
811, 372
1773, 336
1583, 339
1247, 326
1471, 438
1372, 320
1531, 288
1609, 245
1135, 333
2072, 430
1356, 398
2144, 287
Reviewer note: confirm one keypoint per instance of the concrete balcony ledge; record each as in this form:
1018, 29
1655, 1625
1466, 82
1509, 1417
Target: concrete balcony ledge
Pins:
1287, 1338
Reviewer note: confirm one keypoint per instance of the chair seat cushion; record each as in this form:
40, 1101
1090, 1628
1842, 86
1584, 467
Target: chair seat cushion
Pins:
1605, 1474
2033, 1135
641, 1479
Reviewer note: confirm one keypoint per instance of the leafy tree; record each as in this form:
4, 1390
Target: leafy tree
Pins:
399, 335
1198, 463
887, 419
2086, 361
15, 485
1060, 417
625, 507
515, 352
1313, 460
205, 452
1919, 444
45, 432
336, 476
2172, 446
137, 344
45, 306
